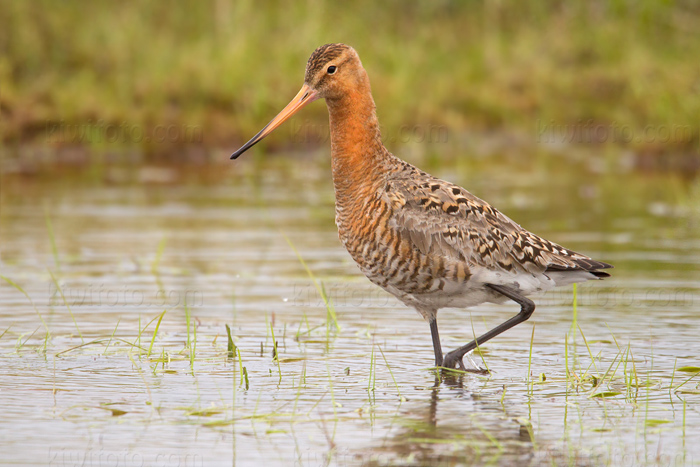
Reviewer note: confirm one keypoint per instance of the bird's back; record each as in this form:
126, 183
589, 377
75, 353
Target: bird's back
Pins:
433, 244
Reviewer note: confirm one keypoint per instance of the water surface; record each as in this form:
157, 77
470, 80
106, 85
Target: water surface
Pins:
219, 245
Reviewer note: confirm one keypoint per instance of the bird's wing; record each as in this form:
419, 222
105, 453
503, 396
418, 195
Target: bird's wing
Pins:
445, 219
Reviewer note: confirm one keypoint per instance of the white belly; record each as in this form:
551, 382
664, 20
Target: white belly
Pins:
475, 292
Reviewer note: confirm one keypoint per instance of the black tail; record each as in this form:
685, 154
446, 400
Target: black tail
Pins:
586, 264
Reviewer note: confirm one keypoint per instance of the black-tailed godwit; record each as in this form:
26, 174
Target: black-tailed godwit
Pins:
430, 243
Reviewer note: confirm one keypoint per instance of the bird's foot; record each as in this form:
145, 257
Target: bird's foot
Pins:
454, 361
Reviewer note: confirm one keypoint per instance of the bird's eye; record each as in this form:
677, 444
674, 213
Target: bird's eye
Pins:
331, 69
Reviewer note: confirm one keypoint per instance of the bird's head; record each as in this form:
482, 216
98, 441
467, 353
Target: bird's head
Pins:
333, 70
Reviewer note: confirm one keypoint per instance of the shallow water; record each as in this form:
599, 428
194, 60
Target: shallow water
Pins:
217, 244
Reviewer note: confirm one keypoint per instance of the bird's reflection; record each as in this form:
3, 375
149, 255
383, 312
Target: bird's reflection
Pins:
454, 425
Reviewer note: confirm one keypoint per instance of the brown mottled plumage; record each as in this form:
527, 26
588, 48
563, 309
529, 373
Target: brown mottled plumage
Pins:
429, 242
320, 57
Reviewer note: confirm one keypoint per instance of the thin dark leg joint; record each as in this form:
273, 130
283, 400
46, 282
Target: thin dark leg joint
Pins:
527, 307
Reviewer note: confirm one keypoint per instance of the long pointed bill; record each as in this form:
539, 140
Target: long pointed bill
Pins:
305, 96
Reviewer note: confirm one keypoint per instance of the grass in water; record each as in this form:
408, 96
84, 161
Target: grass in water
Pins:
191, 337
391, 373
65, 302
600, 403
589, 351
137, 342
159, 256
319, 287
684, 405
231, 347
574, 321
16, 286
566, 360
155, 331
243, 370
21, 343
371, 381
330, 313
275, 355
245, 375
478, 348
529, 362
111, 337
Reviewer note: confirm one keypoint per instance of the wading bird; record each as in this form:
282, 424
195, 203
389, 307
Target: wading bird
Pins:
430, 243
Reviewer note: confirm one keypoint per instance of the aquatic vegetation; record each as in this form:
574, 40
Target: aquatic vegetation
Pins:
605, 375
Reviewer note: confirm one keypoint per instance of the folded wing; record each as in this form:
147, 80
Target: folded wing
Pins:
445, 219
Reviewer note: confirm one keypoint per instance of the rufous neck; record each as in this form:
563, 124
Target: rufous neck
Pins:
356, 147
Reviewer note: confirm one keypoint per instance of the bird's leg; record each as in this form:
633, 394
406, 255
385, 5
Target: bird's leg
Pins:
436, 341
454, 359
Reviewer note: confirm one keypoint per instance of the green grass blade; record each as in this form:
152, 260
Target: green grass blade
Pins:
390, 372
194, 345
159, 256
478, 349
242, 369
589, 351
189, 338
155, 331
574, 320
319, 289
370, 385
276, 356
112, 336
231, 346
16, 286
529, 360
65, 302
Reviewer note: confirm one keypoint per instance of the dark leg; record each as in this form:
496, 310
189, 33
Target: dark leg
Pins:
436, 342
527, 306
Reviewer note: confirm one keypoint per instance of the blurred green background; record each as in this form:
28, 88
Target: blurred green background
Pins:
161, 76
579, 119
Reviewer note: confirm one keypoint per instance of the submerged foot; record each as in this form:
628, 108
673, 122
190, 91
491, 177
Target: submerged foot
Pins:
453, 361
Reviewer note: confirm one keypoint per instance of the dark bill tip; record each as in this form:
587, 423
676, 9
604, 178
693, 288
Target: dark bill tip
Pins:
253, 141
303, 97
